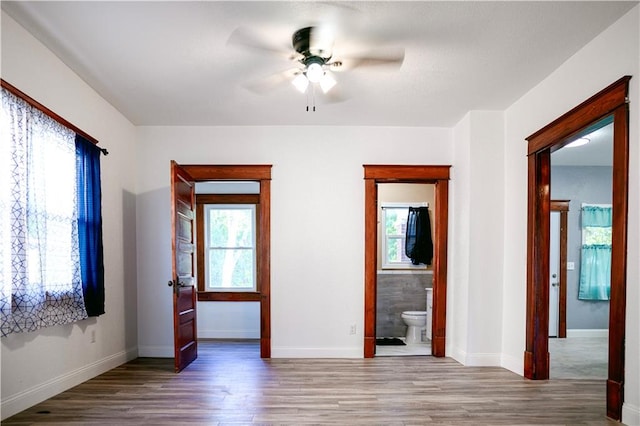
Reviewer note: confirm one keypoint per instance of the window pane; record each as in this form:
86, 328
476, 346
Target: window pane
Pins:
231, 268
395, 221
230, 228
395, 250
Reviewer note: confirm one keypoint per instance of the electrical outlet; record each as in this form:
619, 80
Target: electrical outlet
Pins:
352, 329
93, 336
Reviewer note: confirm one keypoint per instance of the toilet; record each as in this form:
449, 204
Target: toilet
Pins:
417, 321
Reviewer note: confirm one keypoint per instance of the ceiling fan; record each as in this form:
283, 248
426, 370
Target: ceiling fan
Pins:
314, 60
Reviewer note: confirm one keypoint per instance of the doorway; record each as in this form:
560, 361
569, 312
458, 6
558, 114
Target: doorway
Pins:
610, 102
439, 176
262, 175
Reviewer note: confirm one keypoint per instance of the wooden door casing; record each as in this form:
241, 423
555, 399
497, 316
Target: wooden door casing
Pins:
609, 102
439, 176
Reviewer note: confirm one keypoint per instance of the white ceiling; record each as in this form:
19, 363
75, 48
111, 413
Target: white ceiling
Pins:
168, 63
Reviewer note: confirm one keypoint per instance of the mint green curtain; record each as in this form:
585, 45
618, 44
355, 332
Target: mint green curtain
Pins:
595, 263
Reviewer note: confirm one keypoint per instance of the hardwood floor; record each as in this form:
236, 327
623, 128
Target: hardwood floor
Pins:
230, 384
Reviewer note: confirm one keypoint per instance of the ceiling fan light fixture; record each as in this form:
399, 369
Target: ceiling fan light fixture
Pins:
578, 142
314, 72
301, 82
327, 82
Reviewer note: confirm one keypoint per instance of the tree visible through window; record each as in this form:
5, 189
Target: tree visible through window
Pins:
230, 256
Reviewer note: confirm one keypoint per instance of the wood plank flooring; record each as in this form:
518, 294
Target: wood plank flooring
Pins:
230, 384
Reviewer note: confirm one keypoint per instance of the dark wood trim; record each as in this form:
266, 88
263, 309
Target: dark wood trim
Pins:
227, 198
254, 172
438, 175
370, 265
610, 101
439, 319
264, 267
557, 133
562, 206
405, 173
618, 301
262, 174
200, 272
28, 99
229, 296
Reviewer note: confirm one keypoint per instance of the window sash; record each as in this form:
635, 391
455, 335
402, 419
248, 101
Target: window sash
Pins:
211, 249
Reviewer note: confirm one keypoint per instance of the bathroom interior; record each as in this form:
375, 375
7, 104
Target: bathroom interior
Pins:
404, 290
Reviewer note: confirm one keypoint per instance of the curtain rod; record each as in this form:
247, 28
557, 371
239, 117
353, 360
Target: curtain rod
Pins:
28, 99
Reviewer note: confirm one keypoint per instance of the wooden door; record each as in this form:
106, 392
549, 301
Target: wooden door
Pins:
183, 268
554, 275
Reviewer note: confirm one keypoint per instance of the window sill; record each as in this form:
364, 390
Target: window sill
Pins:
229, 296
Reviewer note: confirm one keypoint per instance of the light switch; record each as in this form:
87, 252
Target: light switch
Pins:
570, 266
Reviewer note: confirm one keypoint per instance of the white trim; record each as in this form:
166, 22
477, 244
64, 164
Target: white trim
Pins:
630, 414
289, 352
512, 363
484, 360
22, 400
596, 332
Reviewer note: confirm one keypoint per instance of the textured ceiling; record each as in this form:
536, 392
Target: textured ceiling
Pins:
169, 63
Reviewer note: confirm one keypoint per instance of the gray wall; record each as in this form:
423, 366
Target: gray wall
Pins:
397, 293
581, 185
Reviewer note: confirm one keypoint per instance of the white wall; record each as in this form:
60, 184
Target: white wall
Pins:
317, 223
38, 365
614, 53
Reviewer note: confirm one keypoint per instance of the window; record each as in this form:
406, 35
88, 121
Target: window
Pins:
230, 247
393, 233
51, 270
595, 258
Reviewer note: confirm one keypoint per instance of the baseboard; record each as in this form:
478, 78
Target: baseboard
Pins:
284, 352
596, 332
459, 355
630, 414
228, 334
21, 401
155, 351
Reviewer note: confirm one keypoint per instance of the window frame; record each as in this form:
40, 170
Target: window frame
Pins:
209, 248
203, 294
385, 265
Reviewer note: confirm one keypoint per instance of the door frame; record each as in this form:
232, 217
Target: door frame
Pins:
261, 174
439, 176
562, 207
611, 101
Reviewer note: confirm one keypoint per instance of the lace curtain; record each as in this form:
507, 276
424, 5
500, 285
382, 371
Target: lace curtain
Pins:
39, 255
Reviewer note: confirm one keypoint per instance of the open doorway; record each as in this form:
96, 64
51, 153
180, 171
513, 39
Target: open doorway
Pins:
439, 177
609, 103
404, 273
260, 175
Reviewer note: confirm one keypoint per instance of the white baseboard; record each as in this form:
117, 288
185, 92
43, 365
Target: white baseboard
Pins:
458, 354
155, 351
284, 352
228, 334
21, 401
596, 332
630, 414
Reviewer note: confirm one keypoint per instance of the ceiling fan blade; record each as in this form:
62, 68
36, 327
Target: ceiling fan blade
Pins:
391, 58
243, 37
272, 81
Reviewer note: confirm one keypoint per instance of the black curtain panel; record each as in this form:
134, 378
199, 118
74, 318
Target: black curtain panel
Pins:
418, 242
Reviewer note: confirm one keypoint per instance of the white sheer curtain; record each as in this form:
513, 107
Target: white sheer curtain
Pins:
39, 254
